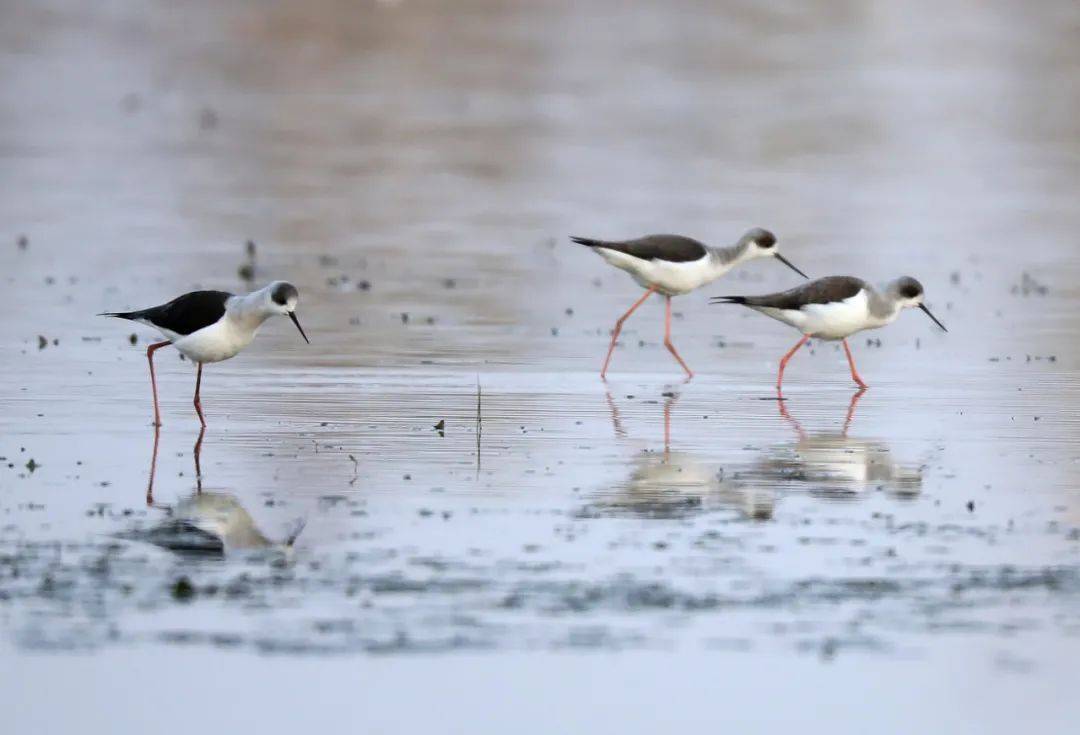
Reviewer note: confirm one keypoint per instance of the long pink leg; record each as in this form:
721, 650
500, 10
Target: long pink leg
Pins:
667, 338
788, 356
618, 328
153, 381
153, 468
198, 465
854, 372
198, 403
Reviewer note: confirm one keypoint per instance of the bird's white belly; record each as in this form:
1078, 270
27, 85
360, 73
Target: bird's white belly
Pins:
215, 343
669, 278
835, 320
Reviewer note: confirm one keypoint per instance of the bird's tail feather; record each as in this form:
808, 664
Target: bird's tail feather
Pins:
728, 300
298, 526
120, 314
587, 241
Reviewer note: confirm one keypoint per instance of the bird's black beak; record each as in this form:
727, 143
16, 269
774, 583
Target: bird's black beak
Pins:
787, 262
923, 307
292, 315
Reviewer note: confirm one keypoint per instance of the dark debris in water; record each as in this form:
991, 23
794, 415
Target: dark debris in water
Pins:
1029, 286
182, 589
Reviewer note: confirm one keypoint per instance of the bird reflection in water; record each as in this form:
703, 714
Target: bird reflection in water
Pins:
838, 466
675, 484
196, 452
205, 523
829, 465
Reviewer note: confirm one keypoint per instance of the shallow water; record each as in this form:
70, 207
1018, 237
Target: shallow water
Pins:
415, 169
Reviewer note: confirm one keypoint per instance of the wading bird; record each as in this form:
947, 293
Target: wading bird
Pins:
674, 265
834, 308
211, 326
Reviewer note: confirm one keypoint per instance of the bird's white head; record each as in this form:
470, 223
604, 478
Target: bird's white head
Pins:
907, 293
281, 297
760, 243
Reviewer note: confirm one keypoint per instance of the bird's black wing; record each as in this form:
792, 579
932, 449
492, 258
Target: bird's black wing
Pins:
184, 314
822, 291
672, 248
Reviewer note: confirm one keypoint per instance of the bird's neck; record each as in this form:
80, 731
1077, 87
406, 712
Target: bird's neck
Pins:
248, 311
723, 259
882, 308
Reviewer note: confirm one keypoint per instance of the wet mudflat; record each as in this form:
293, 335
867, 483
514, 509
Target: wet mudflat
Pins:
699, 542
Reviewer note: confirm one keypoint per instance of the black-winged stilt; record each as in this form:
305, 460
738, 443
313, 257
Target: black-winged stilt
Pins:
834, 308
211, 326
673, 265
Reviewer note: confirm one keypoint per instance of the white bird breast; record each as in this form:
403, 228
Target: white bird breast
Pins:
670, 278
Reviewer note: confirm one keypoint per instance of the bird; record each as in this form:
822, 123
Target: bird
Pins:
211, 326
673, 265
834, 308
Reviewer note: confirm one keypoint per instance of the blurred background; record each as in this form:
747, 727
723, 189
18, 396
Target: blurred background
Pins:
415, 142
416, 168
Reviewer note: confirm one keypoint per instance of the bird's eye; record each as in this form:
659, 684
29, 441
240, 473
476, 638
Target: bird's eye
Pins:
910, 292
